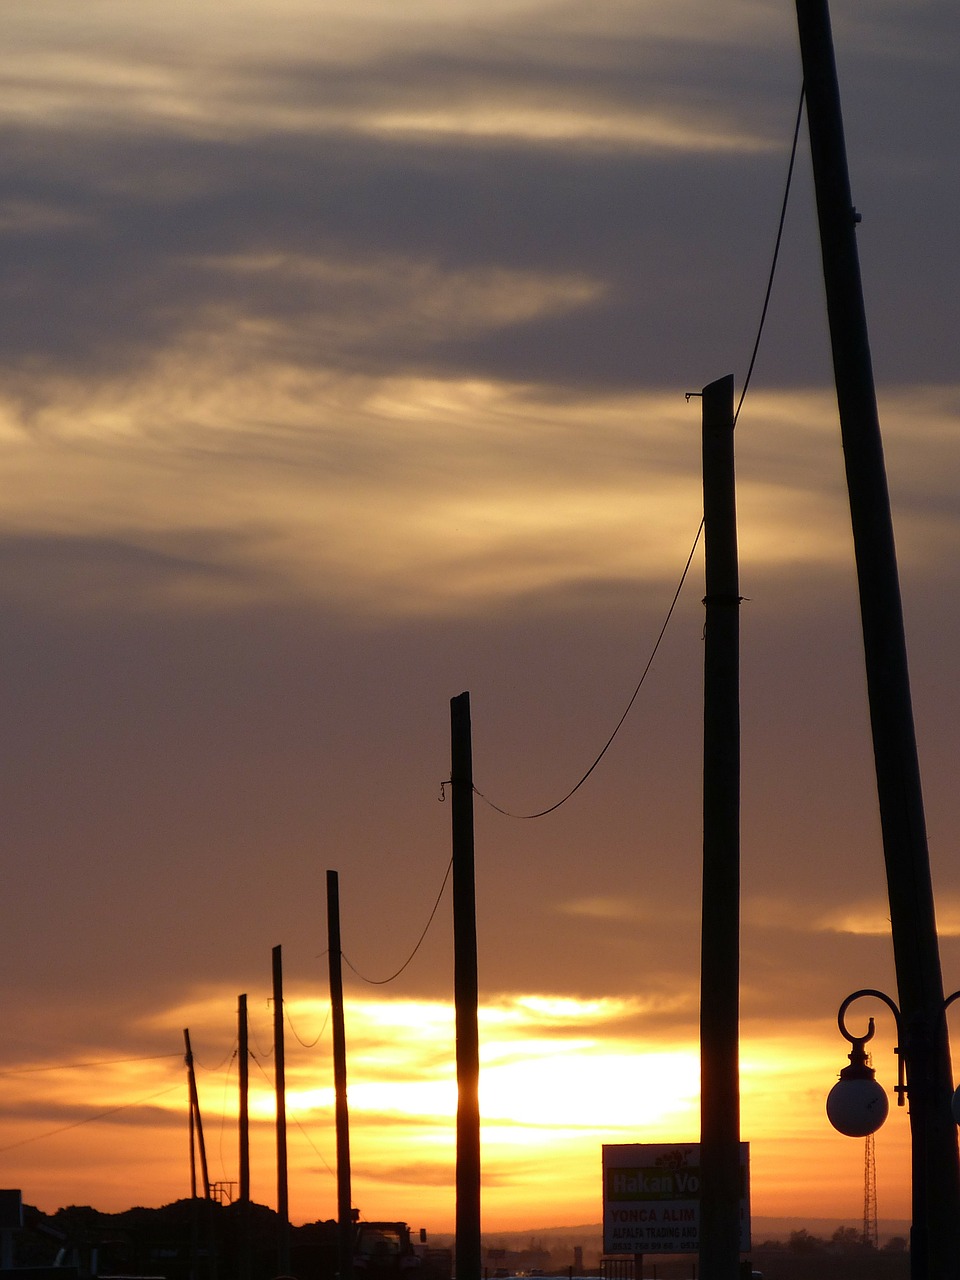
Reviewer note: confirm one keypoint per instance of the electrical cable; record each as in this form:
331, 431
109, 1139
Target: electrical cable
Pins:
264, 1053
223, 1109
542, 813
382, 982
71, 1066
316, 1149
312, 1043
319, 1154
230, 1055
776, 253
102, 1115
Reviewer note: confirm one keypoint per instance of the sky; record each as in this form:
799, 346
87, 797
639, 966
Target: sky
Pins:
343, 367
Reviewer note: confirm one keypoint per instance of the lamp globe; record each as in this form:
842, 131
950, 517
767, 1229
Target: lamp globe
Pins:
857, 1105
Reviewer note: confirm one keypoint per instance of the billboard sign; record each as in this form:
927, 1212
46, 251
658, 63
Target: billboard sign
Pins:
651, 1197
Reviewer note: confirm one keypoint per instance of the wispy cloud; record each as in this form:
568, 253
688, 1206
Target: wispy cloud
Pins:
212, 485
863, 917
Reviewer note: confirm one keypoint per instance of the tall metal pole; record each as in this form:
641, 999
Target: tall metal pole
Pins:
344, 1198
720, 909
283, 1210
466, 993
935, 1236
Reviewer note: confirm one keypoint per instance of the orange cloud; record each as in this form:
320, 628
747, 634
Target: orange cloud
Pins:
560, 1075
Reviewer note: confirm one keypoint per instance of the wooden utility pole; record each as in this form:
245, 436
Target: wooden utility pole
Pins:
191, 1126
345, 1229
194, 1122
283, 1209
935, 1235
243, 1208
720, 909
466, 994
243, 1071
196, 1125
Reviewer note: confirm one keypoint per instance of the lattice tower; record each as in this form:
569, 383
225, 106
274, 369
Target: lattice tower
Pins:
871, 1233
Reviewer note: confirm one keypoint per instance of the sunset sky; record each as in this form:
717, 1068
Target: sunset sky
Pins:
343, 369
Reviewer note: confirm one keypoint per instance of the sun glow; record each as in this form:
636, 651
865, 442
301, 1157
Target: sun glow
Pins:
559, 1077
583, 1086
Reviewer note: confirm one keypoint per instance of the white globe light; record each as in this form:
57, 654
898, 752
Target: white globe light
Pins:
857, 1106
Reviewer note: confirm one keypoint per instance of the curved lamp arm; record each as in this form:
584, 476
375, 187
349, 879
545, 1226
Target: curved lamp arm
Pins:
900, 1089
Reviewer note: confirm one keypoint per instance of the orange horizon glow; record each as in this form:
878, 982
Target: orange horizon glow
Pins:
559, 1078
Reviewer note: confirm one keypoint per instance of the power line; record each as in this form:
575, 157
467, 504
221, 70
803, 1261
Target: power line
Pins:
316, 1149
776, 253
542, 813
73, 1066
311, 1044
230, 1055
381, 982
102, 1115
223, 1108
264, 1053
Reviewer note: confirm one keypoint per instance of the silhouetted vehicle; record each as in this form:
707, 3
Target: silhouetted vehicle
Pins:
385, 1251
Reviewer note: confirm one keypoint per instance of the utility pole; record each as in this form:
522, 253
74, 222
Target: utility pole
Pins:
283, 1210
720, 1192
466, 993
344, 1197
193, 1149
243, 1071
196, 1139
935, 1234
196, 1125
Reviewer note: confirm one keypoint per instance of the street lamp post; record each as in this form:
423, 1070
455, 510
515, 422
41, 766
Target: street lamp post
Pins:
935, 1233
857, 1104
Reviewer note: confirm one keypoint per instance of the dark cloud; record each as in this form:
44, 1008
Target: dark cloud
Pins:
135, 272
78, 575
678, 243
